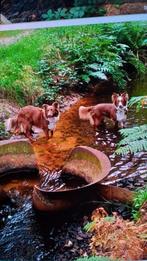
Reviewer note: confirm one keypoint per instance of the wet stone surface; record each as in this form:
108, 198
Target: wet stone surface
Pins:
25, 234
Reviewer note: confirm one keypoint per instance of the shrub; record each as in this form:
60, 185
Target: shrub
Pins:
90, 55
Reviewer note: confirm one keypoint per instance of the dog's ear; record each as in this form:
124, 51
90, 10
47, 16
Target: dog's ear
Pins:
114, 96
56, 105
44, 106
125, 96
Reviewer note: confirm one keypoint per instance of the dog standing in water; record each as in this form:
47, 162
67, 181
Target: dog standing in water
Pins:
117, 111
30, 117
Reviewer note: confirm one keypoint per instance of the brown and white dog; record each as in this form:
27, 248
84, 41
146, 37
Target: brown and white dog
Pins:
117, 111
30, 117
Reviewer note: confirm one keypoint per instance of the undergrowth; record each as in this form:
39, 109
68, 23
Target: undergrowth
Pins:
116, 238
52, 60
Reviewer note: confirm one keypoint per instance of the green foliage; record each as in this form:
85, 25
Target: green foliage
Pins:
74, 12
134, 140
50, 94
137, 101
131, 35
15, 59
139, 198
91, 55
41, 64
94, 258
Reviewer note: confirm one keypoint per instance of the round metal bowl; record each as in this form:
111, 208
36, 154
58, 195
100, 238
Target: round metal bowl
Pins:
90, 164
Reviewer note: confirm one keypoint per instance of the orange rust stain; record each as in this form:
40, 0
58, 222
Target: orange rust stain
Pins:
70, 132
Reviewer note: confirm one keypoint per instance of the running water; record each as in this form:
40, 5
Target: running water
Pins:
24, 235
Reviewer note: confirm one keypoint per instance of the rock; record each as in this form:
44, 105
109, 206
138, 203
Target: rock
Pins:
68, 244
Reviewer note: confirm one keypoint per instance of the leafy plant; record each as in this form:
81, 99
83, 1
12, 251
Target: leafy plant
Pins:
131, 35
134, 140
49, 15
49, 94
74, 12
138, 200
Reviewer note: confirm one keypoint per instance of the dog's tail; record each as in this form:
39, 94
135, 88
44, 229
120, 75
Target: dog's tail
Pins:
8, 125
84, 112
11, 125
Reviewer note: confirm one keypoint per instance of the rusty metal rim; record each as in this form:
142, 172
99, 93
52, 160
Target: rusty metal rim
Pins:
106, 166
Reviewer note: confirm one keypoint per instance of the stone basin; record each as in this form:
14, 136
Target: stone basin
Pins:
90, 164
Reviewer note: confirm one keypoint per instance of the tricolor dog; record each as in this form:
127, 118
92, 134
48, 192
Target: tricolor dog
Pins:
117, 111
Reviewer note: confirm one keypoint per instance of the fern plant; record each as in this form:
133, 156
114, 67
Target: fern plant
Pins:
134, 140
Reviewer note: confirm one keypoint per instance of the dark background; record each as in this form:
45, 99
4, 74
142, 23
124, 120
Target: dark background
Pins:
32, 10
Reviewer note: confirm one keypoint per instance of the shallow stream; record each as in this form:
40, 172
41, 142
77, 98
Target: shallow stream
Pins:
24, 235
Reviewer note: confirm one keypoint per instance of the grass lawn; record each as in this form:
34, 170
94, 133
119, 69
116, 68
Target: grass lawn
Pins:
19, 60
10, 33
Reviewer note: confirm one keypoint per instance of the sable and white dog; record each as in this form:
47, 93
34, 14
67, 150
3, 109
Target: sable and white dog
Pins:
117, 111
30, 117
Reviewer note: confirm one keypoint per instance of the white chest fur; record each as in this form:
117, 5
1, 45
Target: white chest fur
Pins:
53, 122
121, 115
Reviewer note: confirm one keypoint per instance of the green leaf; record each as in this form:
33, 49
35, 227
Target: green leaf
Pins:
85, 78
98, 74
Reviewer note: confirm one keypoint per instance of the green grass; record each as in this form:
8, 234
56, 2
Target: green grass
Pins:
15, 57
26, 53
10, 33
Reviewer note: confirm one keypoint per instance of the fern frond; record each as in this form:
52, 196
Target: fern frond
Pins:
136, 133
133, 147
135, 140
